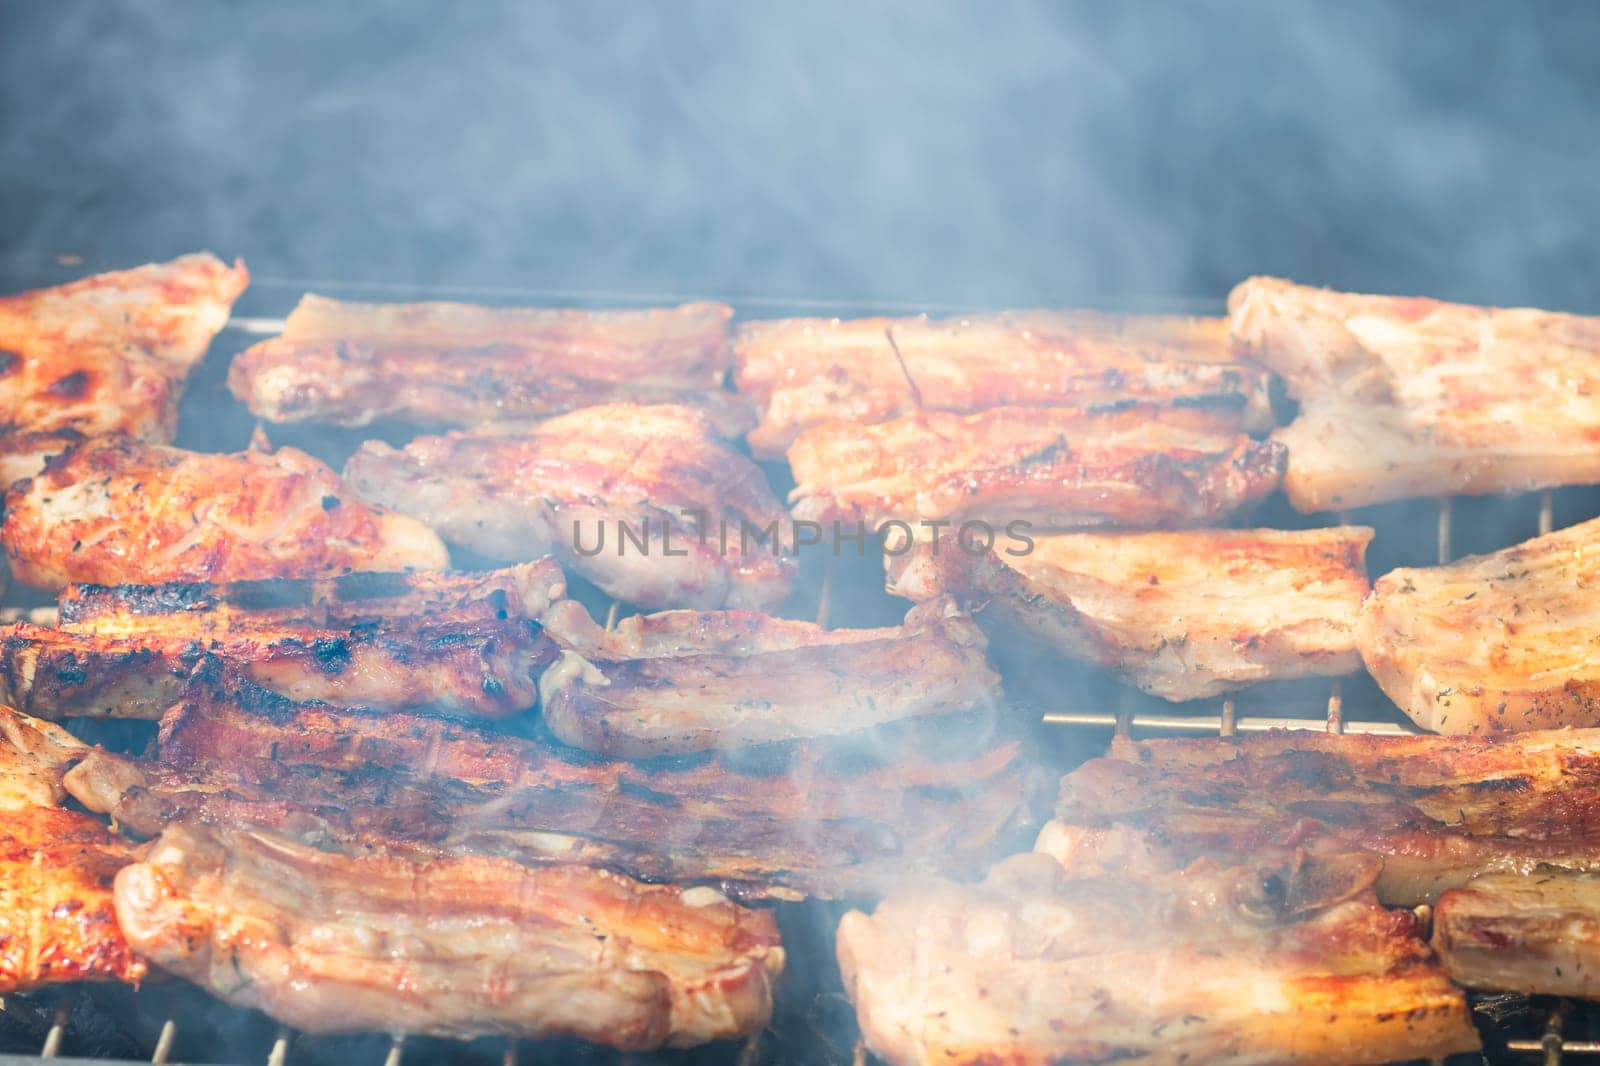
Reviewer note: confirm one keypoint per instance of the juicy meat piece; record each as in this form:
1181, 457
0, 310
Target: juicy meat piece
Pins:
56, 869
122, 512
806, 372
778, 822
1030, 967
1492, 643
684, 681
1404, 396
460, 947
1056, 468
106, 355
1437, 810
1536, 932
1180, 615
579, 485
452, 643
448, 364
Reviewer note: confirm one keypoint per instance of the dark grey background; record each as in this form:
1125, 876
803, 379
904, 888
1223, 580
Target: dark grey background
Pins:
939, 155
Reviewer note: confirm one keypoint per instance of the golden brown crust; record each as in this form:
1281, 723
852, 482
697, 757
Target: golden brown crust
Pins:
122, 512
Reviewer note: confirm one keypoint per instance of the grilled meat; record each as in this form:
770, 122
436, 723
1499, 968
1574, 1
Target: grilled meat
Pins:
807, 372
1052, 468
458, 947
1208, 966
779, 822
1180, 615
1403, 396
444, 364
706, 528
1536, 932
107, 355
685, 681
1493, 643
453, 643
123, 512
56, 869
1437, 810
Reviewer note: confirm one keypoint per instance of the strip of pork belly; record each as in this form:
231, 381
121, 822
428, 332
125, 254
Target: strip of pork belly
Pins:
56, 868
1492, 643
804, 682
779, 821
1536, 933
1055, 468
462, 947
123, 512
568, 486
805, 372
448, 364
1437, 810
1405, 396
454, 643
1030, 967
1182, 615
106, 355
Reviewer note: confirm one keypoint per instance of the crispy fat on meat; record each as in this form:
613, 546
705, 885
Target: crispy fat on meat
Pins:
1054, 468
106, 355
777, 822
448, 364
686, 681
1492, 643
1182, 615
455, 643
1437, 810
56, 868
1534, 932
124, 512
1031, 967
580, 485
460, 947
1405, 396
806, 372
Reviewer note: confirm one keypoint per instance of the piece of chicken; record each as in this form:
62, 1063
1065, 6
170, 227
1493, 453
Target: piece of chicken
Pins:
106, 355
115, 512
449, 364
806, 372
644, 501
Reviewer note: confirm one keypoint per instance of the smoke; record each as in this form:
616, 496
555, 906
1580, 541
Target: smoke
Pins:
999, 154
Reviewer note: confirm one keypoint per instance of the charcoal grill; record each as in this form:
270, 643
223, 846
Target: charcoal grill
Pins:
172, 1023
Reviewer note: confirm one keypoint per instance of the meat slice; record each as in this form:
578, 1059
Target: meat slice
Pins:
453, 643
1437, 811
686, 681
106, 355
776, 822
123, 512
56, 869
646, 502
1182, 615
461, 947
806, 372
1404, 396
1492, 643
1206, 966
1536, 932
1049, 468
448, 364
